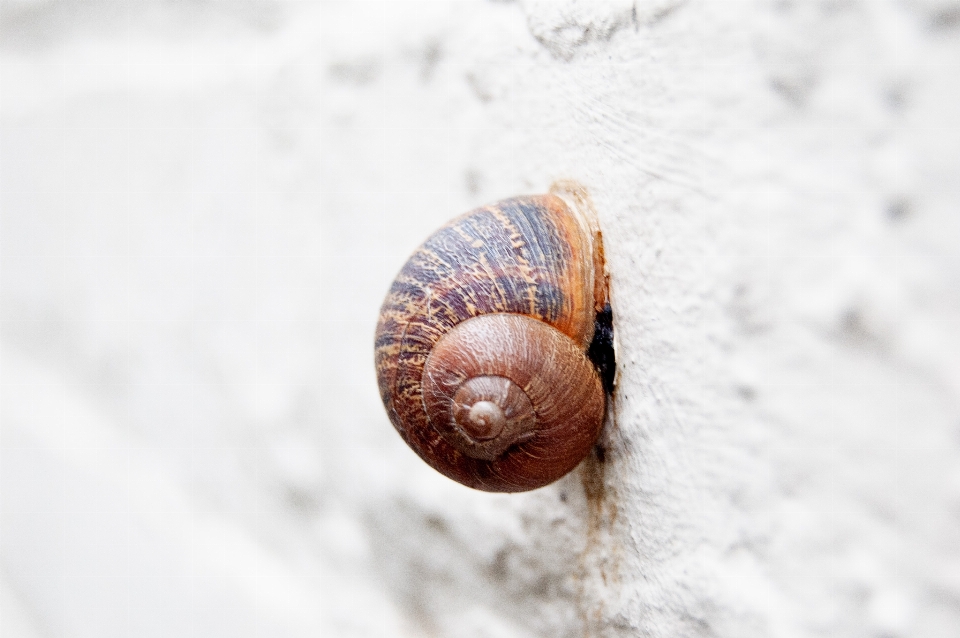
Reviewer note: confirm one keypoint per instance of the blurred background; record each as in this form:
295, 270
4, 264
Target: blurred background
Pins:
202, 204
161, 319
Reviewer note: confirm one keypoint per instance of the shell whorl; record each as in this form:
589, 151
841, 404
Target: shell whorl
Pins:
530, 382
494, 271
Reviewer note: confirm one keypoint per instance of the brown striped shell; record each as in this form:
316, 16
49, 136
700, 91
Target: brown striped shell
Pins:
480, 347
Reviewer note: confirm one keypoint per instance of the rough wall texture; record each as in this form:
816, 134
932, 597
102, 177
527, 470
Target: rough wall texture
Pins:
778, 183
192, 429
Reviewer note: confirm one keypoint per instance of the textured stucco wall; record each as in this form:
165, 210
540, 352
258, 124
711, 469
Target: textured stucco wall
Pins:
203, 204
778, 183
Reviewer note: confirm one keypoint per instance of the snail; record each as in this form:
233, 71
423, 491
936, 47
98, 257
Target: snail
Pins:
482, 340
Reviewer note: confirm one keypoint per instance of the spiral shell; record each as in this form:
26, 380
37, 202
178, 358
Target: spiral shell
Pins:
480, 345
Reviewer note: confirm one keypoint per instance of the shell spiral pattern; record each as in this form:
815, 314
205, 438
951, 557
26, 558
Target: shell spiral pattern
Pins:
480, 346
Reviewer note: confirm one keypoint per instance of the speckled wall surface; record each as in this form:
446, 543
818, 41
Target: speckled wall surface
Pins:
204, 203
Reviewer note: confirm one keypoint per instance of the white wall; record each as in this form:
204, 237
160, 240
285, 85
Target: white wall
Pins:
203, 204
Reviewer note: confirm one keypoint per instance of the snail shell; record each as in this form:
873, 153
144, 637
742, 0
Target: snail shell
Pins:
480, 346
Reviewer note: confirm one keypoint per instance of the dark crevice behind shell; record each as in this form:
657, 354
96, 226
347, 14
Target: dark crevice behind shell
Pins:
601, 351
